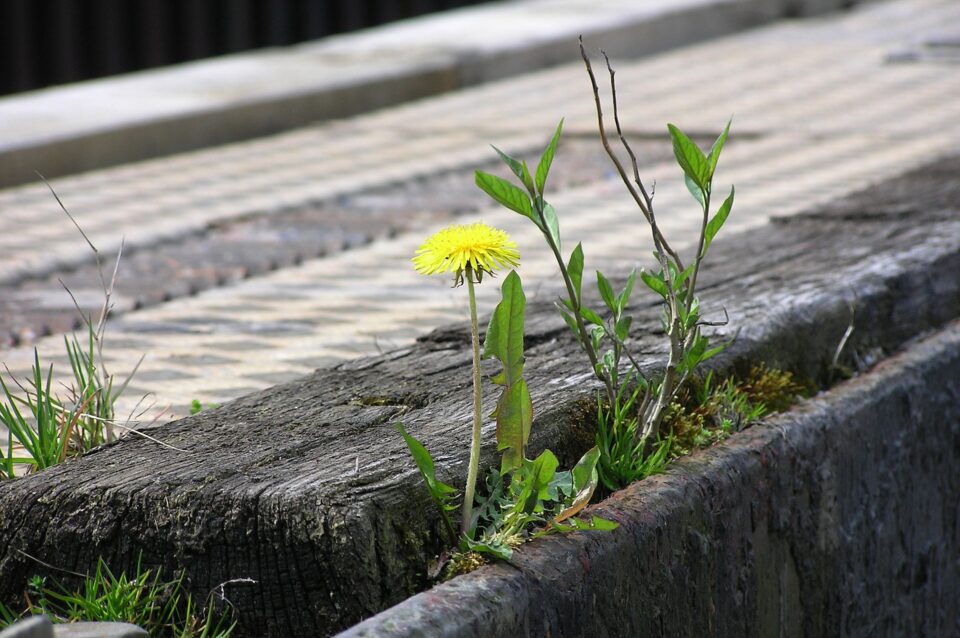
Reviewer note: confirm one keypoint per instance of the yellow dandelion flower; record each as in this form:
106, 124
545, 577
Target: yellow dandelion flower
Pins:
474, 249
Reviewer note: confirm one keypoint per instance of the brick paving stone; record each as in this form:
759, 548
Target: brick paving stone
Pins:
819, 112
235, 249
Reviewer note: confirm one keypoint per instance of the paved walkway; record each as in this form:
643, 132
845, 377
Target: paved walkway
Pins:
91, 125
821, 107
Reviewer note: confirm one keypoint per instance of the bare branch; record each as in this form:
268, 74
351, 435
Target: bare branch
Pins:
48, 565
64, 209
846, 336
150, 438
641, 202
726, 320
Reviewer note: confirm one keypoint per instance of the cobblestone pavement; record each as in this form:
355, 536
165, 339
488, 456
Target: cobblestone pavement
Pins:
821, 107
237, 249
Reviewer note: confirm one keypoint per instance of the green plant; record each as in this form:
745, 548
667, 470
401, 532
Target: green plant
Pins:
605, 341
46, 427
93, 388
524, 498
468, 252
623, 457
41, 429
443, 495
196, 407
536, 493
160, 607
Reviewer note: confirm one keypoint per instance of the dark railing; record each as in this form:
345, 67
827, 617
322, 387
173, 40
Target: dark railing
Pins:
44, 42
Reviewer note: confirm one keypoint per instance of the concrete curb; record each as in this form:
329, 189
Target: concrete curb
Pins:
41, 627
100, 123
836, 518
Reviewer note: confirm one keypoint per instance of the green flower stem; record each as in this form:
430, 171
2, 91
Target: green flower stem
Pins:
475, 438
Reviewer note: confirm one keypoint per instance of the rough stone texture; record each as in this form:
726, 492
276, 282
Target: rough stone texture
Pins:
99, 630
34, 627
41, 627
838, 518
307, 489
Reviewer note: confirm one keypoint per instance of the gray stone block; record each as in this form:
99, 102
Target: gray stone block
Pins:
34, 627
99, 630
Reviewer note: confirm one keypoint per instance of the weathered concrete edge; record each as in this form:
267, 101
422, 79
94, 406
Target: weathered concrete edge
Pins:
784, 479
139, 131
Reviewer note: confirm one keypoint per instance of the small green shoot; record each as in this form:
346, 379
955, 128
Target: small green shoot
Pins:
43, 428
160, 607
196, 407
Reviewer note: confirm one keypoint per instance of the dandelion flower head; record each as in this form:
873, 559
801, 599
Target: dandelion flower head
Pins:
476, 248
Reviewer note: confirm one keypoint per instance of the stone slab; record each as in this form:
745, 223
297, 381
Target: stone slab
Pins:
836, 518
89, 125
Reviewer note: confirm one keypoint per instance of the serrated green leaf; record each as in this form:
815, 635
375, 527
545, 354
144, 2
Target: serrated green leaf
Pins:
506, 194
552, 224
585, 480
714, 155
606, 292
519, 169
654, 283
575, 269
595, 524
690, 158
714, 225
543, 167
504, 338
535, 477
514, 416
486, 546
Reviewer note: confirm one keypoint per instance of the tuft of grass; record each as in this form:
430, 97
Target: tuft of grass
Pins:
36, 421
93, 389
143, 599
704, 411
45, 428
625, 456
